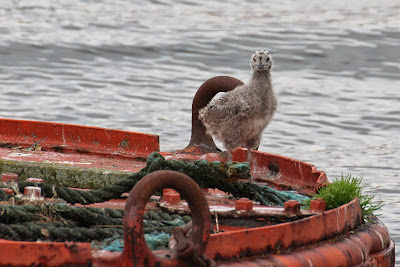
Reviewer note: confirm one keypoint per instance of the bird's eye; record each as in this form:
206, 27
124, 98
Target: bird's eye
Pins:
267, 59
254, 59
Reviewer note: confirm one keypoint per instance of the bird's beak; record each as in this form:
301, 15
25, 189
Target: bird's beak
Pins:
260, 66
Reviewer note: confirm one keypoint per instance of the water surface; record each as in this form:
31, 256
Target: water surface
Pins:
135, 65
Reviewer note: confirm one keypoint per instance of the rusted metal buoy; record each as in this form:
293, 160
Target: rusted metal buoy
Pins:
200, 141
136, 252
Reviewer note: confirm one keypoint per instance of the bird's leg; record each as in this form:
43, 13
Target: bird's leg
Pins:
248, 155
230, 156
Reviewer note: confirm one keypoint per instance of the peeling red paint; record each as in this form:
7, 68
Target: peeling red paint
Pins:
68, 137
14, 253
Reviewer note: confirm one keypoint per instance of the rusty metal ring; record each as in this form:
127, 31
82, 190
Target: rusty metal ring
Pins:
135, 246
199, 138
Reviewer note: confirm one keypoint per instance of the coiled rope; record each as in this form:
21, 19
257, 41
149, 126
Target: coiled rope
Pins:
207, 175
60, 222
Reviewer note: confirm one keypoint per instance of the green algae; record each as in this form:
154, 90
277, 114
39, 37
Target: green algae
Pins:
63, 175
230, 178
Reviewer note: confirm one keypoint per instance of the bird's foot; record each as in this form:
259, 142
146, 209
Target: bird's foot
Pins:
230, 156
249, 156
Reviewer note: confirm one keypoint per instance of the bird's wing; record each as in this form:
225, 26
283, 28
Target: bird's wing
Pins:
223, 110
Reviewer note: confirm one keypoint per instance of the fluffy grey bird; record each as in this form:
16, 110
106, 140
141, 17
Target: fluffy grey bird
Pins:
238, 118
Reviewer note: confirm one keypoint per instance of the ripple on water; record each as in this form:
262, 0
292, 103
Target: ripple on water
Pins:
131, 65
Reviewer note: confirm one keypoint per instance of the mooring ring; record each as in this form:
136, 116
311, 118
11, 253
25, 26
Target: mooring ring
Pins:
199, 138
135, 246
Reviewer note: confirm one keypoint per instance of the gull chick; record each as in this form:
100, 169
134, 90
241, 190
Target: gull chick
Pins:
238, 117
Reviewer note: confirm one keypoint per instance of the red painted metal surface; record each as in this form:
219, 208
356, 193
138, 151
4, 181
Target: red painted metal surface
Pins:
78, 146
368, 246
275, 245
35, 180
44, 254
286, 236
170, 196
244, 204
315, 240
69, 158
9, 177
8, 191
74, 145
32, 192
292, 206
83, 139
275, 170
285, 173
318, 204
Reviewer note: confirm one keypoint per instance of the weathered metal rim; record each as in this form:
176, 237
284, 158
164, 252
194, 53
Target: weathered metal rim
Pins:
83, 139
334, 236
87, 147
368, 246
286, 236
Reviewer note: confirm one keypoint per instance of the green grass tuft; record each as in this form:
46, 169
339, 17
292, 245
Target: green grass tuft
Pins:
344, 190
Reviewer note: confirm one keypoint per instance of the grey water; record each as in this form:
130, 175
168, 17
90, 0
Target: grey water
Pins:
136, 64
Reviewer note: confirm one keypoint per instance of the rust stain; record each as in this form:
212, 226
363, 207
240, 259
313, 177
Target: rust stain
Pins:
14, 253
72, 137
124, 144
96, 143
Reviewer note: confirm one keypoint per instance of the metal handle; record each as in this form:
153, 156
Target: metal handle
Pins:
136, 250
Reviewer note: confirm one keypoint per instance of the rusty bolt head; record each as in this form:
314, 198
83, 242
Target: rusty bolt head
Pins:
170, 196
292, 206
318, 205
32, 192
9, 177
168, 190
244, 204
35, 180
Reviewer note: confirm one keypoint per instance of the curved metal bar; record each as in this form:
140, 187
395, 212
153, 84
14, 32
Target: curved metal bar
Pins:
200, 139
135, 246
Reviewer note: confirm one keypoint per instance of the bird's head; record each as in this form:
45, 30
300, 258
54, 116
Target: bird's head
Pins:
261, 61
